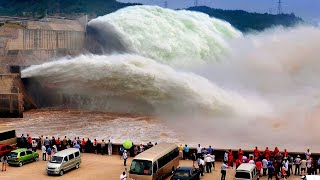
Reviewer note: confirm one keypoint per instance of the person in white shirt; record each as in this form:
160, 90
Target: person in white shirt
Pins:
44, 153
199, 149
201, 165
244, 159
207, 160
264, 166
213, 160
251, 161
308, 153
309, 165
123, 176
297, 162
285, 164
225, 158
125, 157
224, 168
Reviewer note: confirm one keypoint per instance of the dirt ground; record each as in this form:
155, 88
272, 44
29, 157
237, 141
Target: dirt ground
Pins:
93, 167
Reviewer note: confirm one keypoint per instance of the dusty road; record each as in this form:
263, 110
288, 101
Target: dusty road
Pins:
93, 167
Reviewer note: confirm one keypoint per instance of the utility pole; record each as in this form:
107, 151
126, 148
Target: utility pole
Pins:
279, 7
196, 3
166, 3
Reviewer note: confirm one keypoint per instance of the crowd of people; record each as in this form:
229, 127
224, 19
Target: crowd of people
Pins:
268, 163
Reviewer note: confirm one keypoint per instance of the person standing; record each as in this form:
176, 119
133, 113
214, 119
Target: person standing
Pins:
46, 143
238, 163
44, 153
123, 176
309, 164
83, 145
49, 151
207, 160
256, 153
264, 166
4, 160
58, 142
103, 147
240, 154
64, 142
125, 157
213, 159
230, 158
109, 148
199, 149
186, 150
225, 157
307, 153
224, 168
290, 170
201, 165
303, 166
285, 153
210, 150
259, 167
95, 143
267, 153
270, 172
34, 145
297, 163
180, 151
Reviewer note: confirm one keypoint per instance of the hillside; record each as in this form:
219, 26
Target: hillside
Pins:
246, 21
38, 8
242, 20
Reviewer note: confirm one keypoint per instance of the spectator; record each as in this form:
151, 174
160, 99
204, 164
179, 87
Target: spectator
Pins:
64, 142
210, 150
240, 154
309, 164
259, 166
78, 141
34, 145
121, 151
47, 143
256, 153
230, 158
74, 142
201, 165
77, 146
58, 143
95, 143
270, 171
44, 153
49, 151
53, 141
238, 163
267, 153
4, 160
199, 149
103, 147
264, 166
297, 162
181, 151
244, 159
123, 176
109, 148
186, 152
318, 165
225, 156
207, 160
213, 159
285, 153
125, 157
303, 166
88, 146
290, 170
224, 167
83, 145
41, 141
29, 139
307, 153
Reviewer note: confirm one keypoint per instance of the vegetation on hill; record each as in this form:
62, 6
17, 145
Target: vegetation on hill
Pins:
242, 20
246, 21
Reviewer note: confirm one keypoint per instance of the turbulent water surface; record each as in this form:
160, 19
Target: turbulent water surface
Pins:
199, 76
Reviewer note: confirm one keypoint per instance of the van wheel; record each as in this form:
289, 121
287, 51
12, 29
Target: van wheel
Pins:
77, 166
20, 164
61, 173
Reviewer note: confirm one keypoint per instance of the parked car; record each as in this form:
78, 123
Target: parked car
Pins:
186, 173
6, 149
22, 156
63, 161
310, 177
246, 171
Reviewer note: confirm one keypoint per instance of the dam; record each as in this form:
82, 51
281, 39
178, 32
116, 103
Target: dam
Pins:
25, 42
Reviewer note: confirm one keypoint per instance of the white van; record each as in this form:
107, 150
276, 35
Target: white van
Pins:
310, 177
246, 171
63, 161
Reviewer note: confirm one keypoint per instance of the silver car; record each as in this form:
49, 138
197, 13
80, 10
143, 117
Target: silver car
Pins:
63, 161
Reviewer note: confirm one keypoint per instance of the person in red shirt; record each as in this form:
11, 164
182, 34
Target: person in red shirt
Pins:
259, 167
267, 153
238, 163
230, 158
95, 143
83, 144
29, 140
256, 153
240, 154
276, 151
58, 142
285, 153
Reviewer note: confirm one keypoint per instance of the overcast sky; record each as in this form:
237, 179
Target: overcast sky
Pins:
307, 9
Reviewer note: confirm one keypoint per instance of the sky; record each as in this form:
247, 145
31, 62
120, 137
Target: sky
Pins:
307, 9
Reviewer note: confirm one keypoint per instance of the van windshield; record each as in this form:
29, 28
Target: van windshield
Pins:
56, 159
242, 175
141, 167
